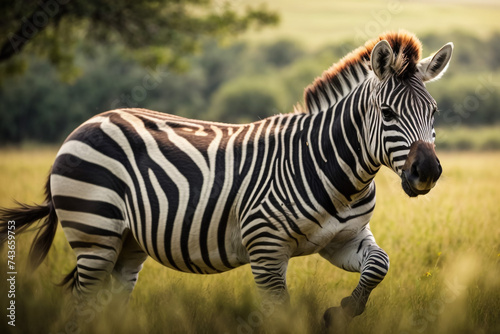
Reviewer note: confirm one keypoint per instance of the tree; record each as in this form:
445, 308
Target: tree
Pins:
153, 31
247, 99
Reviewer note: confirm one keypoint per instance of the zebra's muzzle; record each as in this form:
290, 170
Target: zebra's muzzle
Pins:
421, 170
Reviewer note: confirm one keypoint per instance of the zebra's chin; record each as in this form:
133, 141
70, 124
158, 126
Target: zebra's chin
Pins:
409, 190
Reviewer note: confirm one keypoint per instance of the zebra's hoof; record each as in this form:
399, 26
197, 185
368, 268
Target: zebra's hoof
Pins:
336, 320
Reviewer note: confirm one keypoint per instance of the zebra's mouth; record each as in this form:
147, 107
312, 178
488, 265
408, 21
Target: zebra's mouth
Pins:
409, 190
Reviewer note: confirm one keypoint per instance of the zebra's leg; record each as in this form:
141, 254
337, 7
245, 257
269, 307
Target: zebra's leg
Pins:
270, 276
94, 266
363, 255
97, 246
269, 262
128, 266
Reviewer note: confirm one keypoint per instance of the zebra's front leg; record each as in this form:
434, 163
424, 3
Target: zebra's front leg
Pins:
270, 276
269, 261
361, 254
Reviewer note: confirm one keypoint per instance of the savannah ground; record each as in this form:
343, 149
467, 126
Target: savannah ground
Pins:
444, 276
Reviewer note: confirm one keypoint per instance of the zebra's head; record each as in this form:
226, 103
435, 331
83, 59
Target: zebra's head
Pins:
402, 112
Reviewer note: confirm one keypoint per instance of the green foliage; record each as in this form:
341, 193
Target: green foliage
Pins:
247, 99
226, 82
154, 32
470, 98
281, 53
38, 106
471, 54
297, 76
222, 63
461, 138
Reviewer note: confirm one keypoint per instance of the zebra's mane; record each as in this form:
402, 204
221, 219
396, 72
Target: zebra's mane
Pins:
350, 71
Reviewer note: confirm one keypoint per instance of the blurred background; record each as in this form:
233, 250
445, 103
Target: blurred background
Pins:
63, 61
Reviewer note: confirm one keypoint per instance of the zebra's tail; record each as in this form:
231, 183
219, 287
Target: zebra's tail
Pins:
24, 216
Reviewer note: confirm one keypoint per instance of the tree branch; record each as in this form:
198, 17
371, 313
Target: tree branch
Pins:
46, 12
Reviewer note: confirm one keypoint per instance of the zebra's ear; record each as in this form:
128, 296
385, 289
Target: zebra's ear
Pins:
381, 59
433, 67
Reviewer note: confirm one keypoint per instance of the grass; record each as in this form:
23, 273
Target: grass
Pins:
444, 276
321, 22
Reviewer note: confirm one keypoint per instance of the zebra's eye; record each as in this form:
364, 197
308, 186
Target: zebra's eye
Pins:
387, 113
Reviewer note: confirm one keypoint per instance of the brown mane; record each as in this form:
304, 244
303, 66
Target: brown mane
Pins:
354, 68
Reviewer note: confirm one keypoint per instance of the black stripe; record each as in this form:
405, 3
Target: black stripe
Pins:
88, 229
262, 243
87, 277
99, 208
88, 268
92, 257
83, 244
75, 168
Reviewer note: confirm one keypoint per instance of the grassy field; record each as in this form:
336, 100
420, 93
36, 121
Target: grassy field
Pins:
444, 276
321, 22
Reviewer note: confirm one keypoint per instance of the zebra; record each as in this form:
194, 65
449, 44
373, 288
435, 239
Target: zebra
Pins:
205, 197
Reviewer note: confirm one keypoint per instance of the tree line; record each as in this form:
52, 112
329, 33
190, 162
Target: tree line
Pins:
230, 82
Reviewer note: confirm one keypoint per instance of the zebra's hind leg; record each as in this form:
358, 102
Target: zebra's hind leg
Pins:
94, 266
363, 255
96, 250
127, 267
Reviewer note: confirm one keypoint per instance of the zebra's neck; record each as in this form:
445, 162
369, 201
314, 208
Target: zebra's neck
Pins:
337, 146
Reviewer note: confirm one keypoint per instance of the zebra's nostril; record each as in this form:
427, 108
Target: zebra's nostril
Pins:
414, 171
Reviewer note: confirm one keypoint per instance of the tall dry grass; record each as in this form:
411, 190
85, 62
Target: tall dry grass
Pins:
444, 276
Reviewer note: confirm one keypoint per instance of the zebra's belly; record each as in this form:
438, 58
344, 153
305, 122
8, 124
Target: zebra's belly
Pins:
199, 252
332, 231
